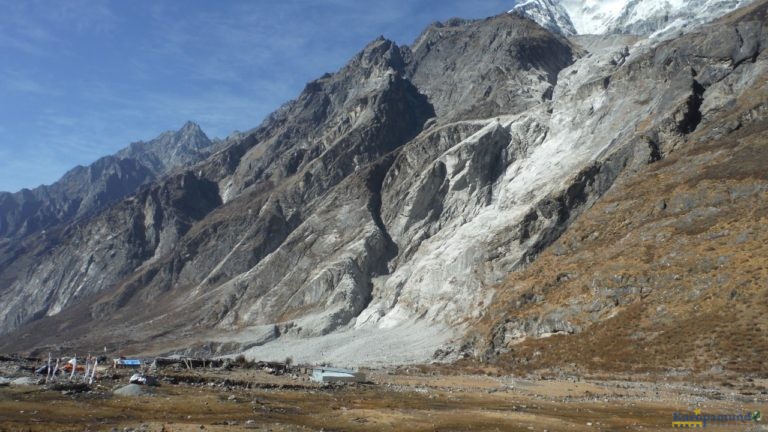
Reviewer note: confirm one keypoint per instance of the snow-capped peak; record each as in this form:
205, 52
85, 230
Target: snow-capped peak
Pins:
595, 16
548, 14
657, 18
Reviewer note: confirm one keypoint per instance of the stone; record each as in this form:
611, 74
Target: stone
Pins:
131, 390
24, 381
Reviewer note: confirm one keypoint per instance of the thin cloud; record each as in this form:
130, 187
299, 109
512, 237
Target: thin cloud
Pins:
83, 78
23, 85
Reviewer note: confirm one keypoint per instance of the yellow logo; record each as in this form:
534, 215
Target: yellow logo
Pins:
687, 424
697, 419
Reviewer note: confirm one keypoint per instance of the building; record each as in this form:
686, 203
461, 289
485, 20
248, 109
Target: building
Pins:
330, 375
126, 363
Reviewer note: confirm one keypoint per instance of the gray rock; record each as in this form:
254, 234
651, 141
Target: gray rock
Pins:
24, 381
131, 390
484, 68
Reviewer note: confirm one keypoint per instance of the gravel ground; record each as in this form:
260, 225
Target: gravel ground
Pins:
406, 344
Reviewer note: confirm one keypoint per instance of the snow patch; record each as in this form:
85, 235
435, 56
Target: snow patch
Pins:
660, 18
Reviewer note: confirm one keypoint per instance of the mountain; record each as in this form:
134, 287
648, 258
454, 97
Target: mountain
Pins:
309, 217
86, 190
658, 18
484, 191
170, 150
669, 260
550, 14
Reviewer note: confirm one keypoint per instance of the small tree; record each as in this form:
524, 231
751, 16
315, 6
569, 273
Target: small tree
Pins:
240, 360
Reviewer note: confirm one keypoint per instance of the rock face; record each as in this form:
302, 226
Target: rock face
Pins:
309, 198
373, 218
81, 259
480, 69
84, 191
81, 191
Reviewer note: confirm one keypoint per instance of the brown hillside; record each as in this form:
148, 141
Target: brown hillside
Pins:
668, 271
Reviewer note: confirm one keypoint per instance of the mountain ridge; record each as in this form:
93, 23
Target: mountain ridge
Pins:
84, 190
379, 216
270, 183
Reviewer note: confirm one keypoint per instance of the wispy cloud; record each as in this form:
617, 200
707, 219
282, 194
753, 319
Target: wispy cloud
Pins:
82, 78
15, 81
36, 27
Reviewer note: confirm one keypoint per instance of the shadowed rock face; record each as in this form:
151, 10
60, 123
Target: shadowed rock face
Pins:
480, 69
389, 198
84, 191
81, 191
78, 261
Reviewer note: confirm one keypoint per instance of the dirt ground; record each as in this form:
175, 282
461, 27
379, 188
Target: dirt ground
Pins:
415, 399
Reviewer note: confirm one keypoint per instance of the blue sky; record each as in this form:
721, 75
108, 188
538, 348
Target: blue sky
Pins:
80, 79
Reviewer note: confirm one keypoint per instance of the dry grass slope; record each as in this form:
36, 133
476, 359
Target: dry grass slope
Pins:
667, 272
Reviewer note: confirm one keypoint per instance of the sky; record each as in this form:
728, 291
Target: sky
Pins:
81, 79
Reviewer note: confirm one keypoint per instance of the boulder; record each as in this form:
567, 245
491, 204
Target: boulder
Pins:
131, 390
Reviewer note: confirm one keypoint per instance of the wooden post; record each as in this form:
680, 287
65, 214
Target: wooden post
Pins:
93, 372
74, 368
48, 369
87, 368
55, 369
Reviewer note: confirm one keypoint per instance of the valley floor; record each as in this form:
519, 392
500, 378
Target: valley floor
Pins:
414, 399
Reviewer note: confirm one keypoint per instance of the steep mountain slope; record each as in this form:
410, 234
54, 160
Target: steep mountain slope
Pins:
338, 123
665, 18
658, 18
667, 272
79, 260
86, 190
296, 247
